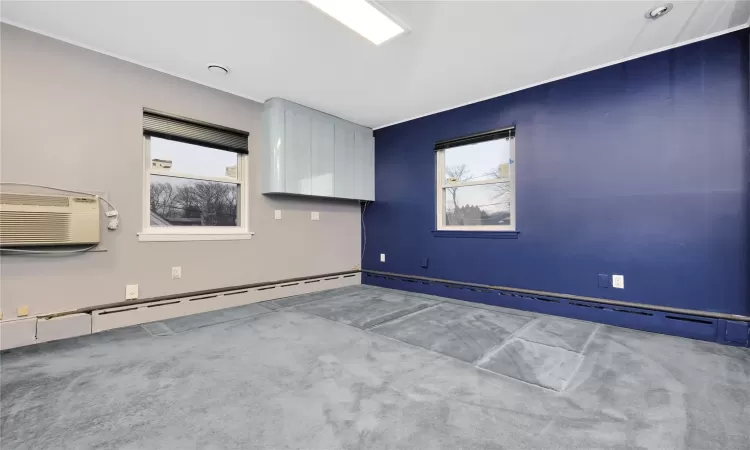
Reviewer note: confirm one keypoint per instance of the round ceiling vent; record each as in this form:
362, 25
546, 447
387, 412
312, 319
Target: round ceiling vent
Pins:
215, 68
655, 13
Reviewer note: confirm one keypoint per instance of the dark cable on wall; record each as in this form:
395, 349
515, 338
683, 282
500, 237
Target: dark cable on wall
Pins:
364, 233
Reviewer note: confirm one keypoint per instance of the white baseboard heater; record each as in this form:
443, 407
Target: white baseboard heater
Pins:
32, 330
152, 311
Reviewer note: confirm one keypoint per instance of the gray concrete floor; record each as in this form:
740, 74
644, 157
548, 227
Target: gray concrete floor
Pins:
365, 367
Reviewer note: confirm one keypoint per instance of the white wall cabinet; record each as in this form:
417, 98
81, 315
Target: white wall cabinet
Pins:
307, 152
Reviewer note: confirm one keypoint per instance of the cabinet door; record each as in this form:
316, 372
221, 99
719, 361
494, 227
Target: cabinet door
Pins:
297, 126
343, 180
364, 165
323, 157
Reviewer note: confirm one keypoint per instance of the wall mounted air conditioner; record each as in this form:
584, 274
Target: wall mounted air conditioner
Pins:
31, 220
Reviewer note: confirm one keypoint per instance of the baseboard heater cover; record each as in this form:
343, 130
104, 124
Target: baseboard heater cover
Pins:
723, 328
546, 296
33, 330
153, 311
210, 293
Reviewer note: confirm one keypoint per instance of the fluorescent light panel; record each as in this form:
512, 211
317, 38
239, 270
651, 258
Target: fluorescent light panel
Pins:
362, 17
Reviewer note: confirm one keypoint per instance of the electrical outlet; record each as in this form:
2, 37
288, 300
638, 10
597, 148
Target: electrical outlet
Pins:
22, 311
603, 280
315, 215
176, 273
277, 214
618, 281
382, 257
131, 292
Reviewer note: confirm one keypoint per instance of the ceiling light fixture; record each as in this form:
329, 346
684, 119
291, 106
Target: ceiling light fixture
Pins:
362, 16
215, 68
659, 11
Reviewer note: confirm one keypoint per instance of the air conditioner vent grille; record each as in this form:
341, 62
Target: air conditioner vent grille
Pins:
34, 227
34, 200
48, 220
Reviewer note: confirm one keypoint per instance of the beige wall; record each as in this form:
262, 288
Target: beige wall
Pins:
72, 118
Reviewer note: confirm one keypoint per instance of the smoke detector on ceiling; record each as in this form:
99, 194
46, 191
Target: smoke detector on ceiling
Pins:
659, 11
215, 68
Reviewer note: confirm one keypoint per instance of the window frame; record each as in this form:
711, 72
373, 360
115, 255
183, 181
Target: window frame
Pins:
441, 185
192, 233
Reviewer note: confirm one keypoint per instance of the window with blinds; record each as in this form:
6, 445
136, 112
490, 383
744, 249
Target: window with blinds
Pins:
195, 176
476, 182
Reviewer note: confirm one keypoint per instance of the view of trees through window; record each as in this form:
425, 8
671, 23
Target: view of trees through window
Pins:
477, 184
185, 202
487, 204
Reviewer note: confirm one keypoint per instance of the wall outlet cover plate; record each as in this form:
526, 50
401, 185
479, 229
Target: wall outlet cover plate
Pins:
604, 280
131, 292
618, 281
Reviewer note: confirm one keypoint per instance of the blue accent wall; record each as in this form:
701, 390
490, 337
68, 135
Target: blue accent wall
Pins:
639, 169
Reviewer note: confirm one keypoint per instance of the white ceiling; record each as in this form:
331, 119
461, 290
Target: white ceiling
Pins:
456, 52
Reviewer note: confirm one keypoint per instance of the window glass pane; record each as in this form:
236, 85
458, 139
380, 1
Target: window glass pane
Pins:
481, 205
192, 159
475, 162
185, 202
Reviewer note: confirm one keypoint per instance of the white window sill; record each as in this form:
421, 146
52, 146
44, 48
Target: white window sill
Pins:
147, 236
463, 233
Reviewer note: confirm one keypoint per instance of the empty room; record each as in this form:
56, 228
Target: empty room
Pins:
349, 224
